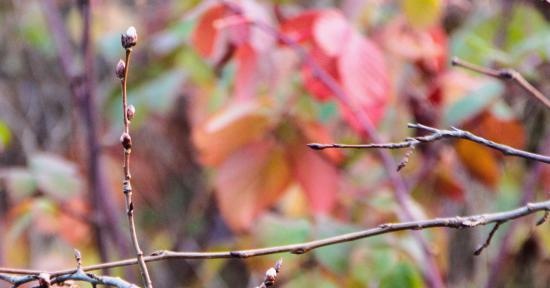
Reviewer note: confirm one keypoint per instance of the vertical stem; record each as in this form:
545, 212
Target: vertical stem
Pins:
127, 186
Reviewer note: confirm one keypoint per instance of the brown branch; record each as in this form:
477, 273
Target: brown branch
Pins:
488, 240
129, 39
438, 134
457, 222
505, 74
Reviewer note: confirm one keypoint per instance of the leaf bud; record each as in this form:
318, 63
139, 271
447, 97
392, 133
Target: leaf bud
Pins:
120, 69
130, 112
129, 39
126, 141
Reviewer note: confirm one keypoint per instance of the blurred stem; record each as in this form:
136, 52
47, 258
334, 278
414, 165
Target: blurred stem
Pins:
81, 85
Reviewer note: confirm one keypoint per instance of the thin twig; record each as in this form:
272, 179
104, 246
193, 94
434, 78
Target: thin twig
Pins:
505, 74
488, 240
543, 219
129, 39
457, 222
438, 134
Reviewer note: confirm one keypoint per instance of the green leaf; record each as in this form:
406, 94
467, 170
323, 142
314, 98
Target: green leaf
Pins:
20, 183
5, 135
269, 229
334, 257
310, 279
402, 275
473, 103
55, 176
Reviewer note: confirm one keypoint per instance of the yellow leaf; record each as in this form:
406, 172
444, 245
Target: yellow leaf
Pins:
422, 13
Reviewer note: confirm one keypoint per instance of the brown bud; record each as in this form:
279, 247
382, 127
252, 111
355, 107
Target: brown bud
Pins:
130, 112
120, 69
129, 39
126, 141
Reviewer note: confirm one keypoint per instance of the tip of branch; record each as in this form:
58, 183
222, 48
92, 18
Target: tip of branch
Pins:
455, 61
317, 146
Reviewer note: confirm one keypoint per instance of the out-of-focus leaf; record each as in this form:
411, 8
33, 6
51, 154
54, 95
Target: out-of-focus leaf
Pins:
56, 176
229, 130
5, 135
168, 40
74, 230
247, 72
473, 103
33, 29
300, 27
311, 279
318, 177
331, 32
403, 275
364, 79
268, 230
422, 13
369, 264
334, 257
479, 161
158, 94
317, 88
426, 47
205, 36
249, 181
446, 181
20, 183
475, 41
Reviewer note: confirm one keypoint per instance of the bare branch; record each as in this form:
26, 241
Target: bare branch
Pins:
438, 134
128, 40
456, 222
505, 74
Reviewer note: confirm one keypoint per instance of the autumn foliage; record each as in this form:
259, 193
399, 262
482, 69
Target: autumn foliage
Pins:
228, 93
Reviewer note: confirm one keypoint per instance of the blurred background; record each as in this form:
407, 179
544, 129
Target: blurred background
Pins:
224, 109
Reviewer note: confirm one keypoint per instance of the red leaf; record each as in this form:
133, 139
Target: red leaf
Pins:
312, 84
249, 181
300, 28
364, 78
205, 35
247, 72
331, 32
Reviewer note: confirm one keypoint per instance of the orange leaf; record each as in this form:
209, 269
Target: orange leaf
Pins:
249, 181
229, 130
480, 161
205, 35
318, 177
